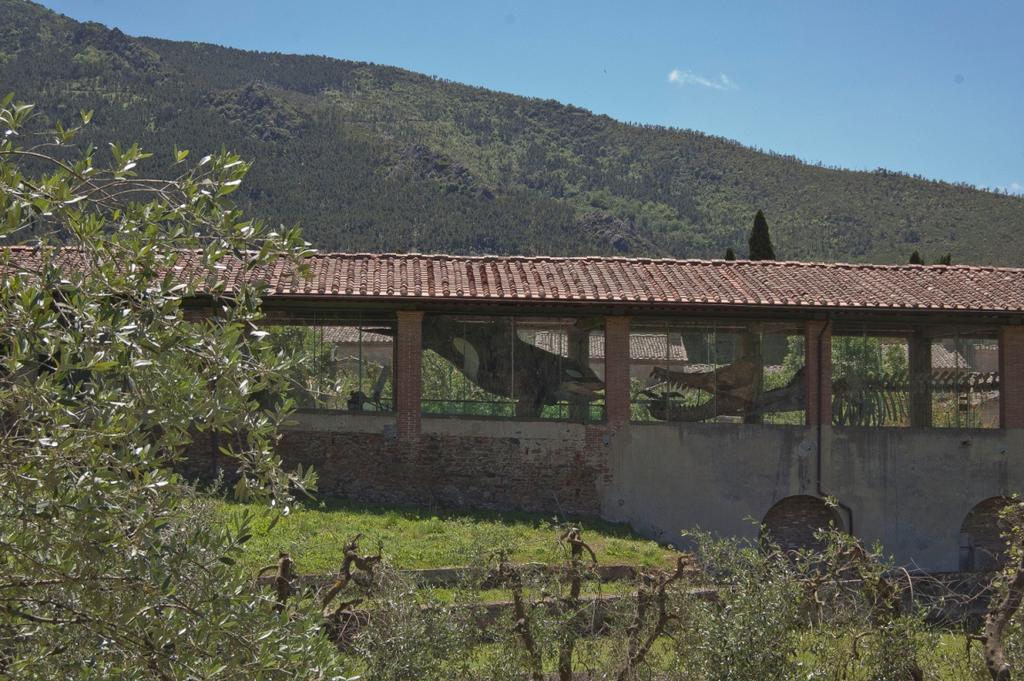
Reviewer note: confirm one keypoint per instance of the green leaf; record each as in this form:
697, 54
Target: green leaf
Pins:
228, 187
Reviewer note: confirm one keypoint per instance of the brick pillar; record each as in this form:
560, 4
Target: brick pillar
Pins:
616, 370
1011, 376
818, 383
408, 379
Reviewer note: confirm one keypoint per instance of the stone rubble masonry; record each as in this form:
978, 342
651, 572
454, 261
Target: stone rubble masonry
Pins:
545, 467
451, 471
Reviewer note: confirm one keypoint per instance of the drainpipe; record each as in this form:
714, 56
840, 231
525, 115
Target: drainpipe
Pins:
821, 417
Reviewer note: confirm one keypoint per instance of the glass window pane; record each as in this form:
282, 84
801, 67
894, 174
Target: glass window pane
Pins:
870, 379
340, 364
942, 377
963, 385
521, 367
727, 372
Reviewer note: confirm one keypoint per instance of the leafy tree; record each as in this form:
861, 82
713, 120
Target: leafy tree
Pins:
946, 259
112, 565
916, 259
760, 241
729, 254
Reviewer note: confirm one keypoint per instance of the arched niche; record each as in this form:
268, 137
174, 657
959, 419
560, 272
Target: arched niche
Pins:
982, 547
793, 521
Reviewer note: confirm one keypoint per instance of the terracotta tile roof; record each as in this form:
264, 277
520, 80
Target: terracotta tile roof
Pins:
650, 347
421, 277
944, 358
644, 347
352, 335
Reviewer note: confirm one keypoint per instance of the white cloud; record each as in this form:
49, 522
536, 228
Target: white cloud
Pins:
1012, 188
680, 77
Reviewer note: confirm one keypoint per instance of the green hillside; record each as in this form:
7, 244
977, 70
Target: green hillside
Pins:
369, 157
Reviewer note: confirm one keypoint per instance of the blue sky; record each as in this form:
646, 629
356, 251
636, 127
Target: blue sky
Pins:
934, 88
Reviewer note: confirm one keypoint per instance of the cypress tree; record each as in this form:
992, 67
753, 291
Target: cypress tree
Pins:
729, 254
916, 259
760, 241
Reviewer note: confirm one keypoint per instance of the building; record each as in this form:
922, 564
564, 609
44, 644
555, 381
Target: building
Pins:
666, 394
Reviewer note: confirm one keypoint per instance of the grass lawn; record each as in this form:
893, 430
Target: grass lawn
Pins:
417, 538
420, 538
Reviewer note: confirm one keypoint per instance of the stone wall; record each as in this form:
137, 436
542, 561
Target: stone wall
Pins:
529, 466
909, 488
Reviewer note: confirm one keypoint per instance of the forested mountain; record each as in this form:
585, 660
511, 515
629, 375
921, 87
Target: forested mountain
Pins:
369, 157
